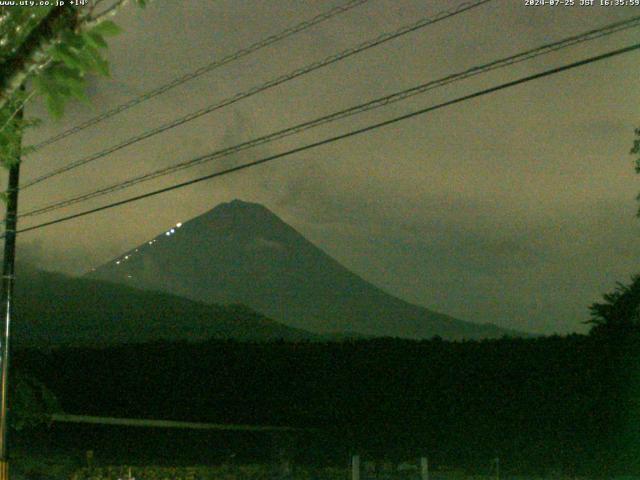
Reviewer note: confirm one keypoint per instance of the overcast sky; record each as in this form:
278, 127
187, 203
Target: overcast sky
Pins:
515, 208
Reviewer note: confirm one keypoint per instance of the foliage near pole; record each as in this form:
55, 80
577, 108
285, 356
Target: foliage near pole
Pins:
50, 51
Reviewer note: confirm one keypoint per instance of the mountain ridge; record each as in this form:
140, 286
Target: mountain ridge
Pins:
55, 310
241, 252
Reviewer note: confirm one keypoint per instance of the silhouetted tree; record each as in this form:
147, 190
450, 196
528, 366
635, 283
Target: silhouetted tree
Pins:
620, 311
32, 403
635, 150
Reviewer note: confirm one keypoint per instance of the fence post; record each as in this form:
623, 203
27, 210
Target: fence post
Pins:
285, 466
355, 467
424, 468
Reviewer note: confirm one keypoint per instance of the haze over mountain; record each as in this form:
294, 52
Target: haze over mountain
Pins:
241, 252
54, 309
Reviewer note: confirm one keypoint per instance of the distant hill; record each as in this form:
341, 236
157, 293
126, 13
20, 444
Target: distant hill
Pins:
54, 309
241, 252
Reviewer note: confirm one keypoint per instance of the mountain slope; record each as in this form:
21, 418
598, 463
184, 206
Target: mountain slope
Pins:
54, 309
241, 252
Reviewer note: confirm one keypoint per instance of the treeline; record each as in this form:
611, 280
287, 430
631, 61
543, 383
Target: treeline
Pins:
561, 404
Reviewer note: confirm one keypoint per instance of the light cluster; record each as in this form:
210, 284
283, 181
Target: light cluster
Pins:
129, 255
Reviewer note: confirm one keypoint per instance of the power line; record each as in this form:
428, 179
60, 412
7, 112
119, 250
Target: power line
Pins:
343, 136
371, 105
385, 37
265, 42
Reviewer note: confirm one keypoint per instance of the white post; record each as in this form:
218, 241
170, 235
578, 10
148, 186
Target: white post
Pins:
355, 467
424, 468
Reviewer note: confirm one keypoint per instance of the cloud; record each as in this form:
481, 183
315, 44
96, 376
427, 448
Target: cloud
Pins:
517, 208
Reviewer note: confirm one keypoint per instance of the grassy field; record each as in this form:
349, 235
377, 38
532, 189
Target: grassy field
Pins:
224, 472
65, 467
262, 472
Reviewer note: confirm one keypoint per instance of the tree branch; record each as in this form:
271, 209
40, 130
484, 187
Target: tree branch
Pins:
17, 110
32, 54
29, 55
105, 14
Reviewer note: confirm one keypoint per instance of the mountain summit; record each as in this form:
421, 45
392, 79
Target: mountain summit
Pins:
241, 252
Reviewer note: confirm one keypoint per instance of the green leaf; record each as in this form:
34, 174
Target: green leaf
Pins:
94, 39
79, 92
55, 104
106, 29
65, 75
54, 93
101, 65
64, 54
87, 61
53, 85
40, 84
44, 85
61, 90
73, 40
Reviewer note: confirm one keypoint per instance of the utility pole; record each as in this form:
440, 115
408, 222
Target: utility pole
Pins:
6, 299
